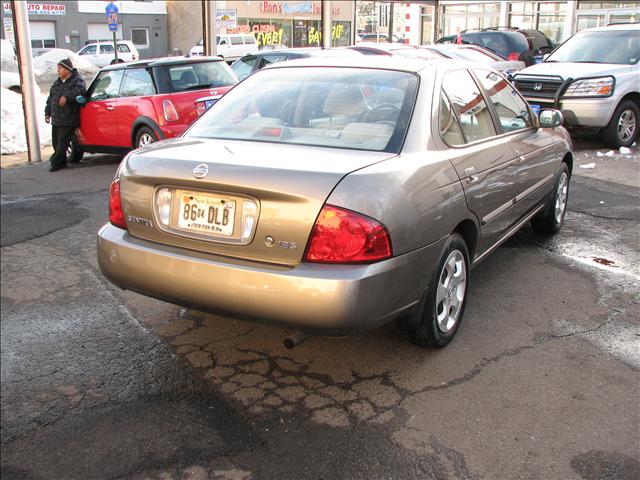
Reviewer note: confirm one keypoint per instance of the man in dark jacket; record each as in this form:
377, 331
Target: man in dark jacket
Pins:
63, 112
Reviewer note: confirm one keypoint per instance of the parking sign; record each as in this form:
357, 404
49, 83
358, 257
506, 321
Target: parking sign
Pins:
112, 16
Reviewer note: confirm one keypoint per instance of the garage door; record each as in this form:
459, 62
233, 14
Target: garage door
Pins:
100, 31
43, 34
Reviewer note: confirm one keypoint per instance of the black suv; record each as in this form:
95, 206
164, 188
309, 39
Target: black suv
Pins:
529, 46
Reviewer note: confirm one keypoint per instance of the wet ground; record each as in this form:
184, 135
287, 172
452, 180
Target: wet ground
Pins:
542, 381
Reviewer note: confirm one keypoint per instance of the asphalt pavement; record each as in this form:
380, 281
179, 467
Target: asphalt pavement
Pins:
542, 381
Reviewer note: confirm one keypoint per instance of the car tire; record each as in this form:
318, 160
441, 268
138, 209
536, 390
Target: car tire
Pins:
114, 61
74, 152
145, 136
551, 219
623, 128
434, 324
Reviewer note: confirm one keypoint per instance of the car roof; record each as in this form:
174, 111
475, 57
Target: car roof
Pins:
162, 62
616, 26
386, 46
382, 62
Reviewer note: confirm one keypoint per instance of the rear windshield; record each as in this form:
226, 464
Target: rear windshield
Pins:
193, 76
502, 43
616, 46
363, 109
473, 55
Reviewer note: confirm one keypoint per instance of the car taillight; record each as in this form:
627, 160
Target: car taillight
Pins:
170, 112
134, 56
116, 215
343, 236
513, 56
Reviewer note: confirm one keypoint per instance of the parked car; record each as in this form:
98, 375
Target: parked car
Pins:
230, 47
393, 49
101, 53
134, 104
245, 66
594, 78
528, 46
475, 53
336, 195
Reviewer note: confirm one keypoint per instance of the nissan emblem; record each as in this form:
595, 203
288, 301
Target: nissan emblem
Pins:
201, 171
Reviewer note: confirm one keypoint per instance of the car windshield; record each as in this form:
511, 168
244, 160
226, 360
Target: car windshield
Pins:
614, 46
194, 76
355, 108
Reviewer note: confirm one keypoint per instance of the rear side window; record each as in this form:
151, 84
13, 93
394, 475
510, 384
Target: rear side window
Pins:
236, 41
469, 104
137, 82
123, 48
495, 41
512, 110
106, 48
194, 76
268, 59
249, 39
107, 85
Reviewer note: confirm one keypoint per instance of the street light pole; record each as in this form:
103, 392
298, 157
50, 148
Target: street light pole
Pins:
27, 78
326, 14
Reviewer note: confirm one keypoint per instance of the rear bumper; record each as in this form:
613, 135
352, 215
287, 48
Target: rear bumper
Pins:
326, 299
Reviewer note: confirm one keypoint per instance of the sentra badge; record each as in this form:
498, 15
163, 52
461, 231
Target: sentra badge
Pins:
201, 171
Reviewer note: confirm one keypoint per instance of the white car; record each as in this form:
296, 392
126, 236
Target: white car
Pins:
230, 47
594, 79
6, 50
101, 53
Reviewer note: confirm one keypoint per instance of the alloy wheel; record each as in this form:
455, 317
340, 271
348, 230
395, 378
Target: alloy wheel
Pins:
561, 197
145, 139
627, 125
452, 288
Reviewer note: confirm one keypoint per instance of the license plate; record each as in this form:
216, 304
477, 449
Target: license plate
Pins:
535, 108
209, 103
204, 213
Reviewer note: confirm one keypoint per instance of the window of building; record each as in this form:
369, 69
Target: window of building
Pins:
43, 34
469, 104
548, 17
597, 14
140, 37
457, 18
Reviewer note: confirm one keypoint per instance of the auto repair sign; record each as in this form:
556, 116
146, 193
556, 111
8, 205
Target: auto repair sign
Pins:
40, 8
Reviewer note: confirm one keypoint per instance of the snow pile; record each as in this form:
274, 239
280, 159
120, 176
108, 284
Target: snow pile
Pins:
14, 138
9, 65
45, 66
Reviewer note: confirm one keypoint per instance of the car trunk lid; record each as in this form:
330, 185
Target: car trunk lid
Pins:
288, 183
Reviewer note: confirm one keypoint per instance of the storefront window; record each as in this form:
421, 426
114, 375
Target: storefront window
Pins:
427, 25
457, 18
588, 5
548, 17
341, 34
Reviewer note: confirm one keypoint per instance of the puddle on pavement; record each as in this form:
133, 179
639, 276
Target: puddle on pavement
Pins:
605, 262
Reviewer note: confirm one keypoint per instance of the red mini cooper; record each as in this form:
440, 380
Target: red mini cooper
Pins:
134, 104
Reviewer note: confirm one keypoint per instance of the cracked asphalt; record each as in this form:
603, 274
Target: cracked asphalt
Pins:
542, 381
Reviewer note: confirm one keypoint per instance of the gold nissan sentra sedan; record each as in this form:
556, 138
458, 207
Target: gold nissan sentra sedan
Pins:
336, 195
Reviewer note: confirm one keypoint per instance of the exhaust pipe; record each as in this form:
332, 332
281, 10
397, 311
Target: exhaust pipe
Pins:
296, 339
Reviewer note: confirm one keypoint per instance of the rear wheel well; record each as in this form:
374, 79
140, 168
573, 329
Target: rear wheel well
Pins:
469, 232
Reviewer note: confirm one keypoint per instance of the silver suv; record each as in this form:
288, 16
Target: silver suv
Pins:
594, 79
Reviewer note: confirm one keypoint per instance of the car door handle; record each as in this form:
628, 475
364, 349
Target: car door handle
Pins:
469, 173
110, 108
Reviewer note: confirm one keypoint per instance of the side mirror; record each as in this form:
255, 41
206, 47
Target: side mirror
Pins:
550, 118
80, 100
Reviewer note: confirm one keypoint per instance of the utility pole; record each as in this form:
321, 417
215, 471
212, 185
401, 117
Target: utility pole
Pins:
326, 12
209, 28
27, 78
390, 34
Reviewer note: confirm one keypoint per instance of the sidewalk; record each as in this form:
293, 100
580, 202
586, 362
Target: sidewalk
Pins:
22, 158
